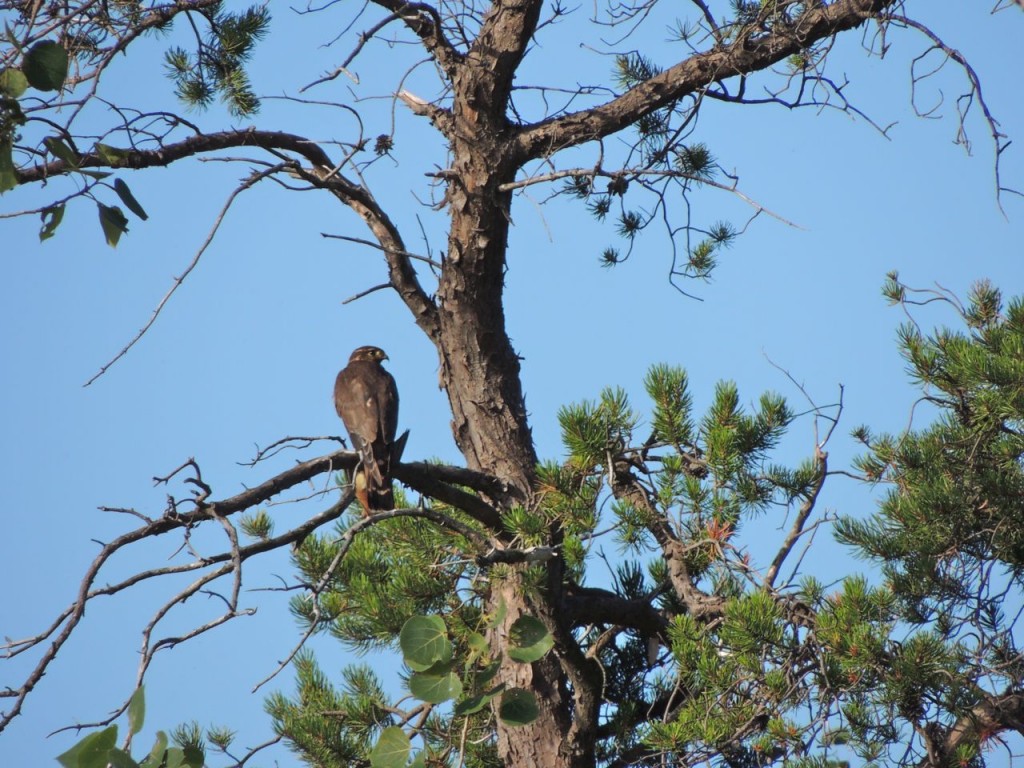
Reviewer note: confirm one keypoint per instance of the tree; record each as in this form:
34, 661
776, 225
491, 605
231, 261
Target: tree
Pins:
512, 526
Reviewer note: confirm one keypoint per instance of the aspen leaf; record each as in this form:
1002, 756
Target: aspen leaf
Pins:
391, 750
129, 199
424, 642
46, 65
114, 223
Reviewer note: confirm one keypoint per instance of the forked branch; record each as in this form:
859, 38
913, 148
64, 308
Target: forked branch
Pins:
188, 513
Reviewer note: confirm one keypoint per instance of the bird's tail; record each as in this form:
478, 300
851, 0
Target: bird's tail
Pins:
371, 496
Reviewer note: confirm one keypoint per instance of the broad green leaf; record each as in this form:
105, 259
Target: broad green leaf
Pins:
51, 218
61, 151
391, 750
175, 758
13, 82
478, 702
129, 199
8, 179
111, 155
92, 751
156, 754
46, 65
436, 685
137, 710
518, 707
118, 758
424, 642
114, 223
530, 640
94, 174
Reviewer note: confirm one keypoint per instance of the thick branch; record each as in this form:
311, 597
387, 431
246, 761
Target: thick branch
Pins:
437, 481
694, 74
625, 486
498, 50
425, 22
424, 478
993, 715
589, 605
190, 147
324, 174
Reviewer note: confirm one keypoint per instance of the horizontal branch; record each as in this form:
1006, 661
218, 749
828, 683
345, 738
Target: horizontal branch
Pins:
433, 480
189, 147
430, 479
589, 605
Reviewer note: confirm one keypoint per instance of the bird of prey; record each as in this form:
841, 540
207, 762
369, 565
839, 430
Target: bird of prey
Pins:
366, 398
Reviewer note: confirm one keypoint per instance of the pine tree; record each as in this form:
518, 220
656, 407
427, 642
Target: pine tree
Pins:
696, 649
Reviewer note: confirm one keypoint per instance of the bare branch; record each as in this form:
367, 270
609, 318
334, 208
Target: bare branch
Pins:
422, 19
361, 241
799, 529
253, 179
964, 102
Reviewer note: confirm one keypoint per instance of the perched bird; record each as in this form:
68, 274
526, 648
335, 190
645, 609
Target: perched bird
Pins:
366, 398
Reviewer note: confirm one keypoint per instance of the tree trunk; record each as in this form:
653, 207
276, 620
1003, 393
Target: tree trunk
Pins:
480, 371
481, 374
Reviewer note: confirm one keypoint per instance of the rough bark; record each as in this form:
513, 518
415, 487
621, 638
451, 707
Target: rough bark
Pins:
479, 368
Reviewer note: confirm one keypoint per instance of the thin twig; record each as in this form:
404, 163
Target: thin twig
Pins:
249, 182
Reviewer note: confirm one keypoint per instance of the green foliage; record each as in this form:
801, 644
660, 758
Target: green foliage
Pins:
424, 642
99, 750
436, 684
663, 164
672, 417
529, 640
257, 525
518, 707
61, 151
948, 534
955, 497
450, 661
8, 175
93, 750
113, 221
45, 65
122, 190
392, 750
13, 83
592, 431
217, 68
695, 160
396, 569
51, 218
330, 727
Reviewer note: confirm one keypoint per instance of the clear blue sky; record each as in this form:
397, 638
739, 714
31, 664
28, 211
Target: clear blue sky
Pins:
246, 352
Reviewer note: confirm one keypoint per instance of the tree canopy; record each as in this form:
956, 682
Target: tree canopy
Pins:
707, 640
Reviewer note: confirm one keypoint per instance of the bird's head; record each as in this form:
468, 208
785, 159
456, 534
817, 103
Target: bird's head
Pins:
372, 354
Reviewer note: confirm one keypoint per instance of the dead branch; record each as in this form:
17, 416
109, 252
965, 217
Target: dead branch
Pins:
437, 481
247, 184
